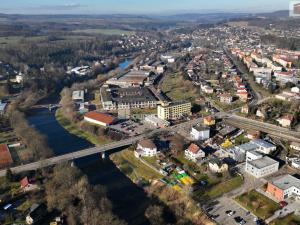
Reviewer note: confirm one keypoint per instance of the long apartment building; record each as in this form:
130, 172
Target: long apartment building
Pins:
174, 110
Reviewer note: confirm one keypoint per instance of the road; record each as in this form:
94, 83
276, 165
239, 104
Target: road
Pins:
94, 150
249, 124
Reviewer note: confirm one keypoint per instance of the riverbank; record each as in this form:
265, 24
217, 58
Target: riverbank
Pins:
75, 130
183, 207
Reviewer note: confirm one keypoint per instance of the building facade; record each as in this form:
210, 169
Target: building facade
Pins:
174, 110
262, 167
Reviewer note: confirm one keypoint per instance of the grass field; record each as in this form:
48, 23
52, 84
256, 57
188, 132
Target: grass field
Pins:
224, 187
176, 88
73, 129
10, 40
132, 167
290, 219
105, 31
258, 204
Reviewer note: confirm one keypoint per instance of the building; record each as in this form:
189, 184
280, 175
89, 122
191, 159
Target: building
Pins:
253, 134
284, 187
80, 71
174, 110
226, 98
127, 98
193, 153
5, 156
295, 146
245, 109
209, 121
145, 148
36, 213
200, 133
98, 118
133, 78
296, 163
253, 155
217, 166
157, 122
262, 167
19, 78
2, 107
78, 96
286, 120
263, 146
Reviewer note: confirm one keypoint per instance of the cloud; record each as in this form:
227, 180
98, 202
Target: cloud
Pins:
62, 7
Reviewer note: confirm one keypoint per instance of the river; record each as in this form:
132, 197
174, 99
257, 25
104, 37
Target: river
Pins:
129, 201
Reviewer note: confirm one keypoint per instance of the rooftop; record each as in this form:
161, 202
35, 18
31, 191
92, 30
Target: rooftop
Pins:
5, 156
263, 162
263, 143
147, 143
105, 118
286, 181
194, 148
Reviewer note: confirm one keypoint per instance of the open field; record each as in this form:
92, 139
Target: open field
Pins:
105, 31
258, 204
224, 187
176, 88
132, 167
290, 219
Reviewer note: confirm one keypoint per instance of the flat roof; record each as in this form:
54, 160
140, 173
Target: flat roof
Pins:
201, 128
263, 143
127, 95
78, 94
247, 147
286, 181
263, 162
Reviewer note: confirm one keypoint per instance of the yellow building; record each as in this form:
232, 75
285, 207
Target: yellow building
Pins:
174, 110
209, 121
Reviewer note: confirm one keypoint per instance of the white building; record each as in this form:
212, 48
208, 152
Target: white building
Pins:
145, 148
253, 155
78, 96
296, 163
295, 146
200, 133
262, 167
263, 146
100, 119
193, 153
157, 122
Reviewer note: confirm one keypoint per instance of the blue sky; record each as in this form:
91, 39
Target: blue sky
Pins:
137, 6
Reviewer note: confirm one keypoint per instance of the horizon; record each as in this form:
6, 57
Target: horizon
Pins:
136, 7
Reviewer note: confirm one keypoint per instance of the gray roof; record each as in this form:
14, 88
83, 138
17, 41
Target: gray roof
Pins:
263, 143
247, 147
201, 128
263, 162
286, 181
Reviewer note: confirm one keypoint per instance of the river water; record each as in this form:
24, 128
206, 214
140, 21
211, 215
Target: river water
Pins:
129, 201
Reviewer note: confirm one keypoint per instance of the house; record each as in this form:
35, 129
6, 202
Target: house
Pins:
262, 167
209, 121
226, 98
217, 166
245, 109
2, 107
19, 78
27, 185
296, 163
253, 134
98, 118
286, 120
200, 133
253, 155
5, 156
145, 148
36, 213
193, 153
78, 96
284, 187
261, 114
295, 146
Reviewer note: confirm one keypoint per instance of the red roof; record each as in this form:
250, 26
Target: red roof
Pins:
101, 117
209, 118
24, 182
5, 156
194, 148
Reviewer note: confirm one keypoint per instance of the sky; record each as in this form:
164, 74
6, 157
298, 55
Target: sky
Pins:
138, 6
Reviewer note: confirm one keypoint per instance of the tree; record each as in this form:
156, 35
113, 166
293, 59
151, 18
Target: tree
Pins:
9, 176
154, 214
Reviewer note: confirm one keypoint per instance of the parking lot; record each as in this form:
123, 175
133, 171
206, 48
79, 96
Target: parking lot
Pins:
225, 204
132, 128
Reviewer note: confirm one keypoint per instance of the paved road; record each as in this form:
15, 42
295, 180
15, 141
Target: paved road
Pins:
94, 150
250, 124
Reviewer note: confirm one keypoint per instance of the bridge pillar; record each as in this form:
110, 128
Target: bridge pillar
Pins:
103, 155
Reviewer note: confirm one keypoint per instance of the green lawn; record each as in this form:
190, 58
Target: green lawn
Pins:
73, 129
260, 205
290, 219
105, 31
224, 187
132, 167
